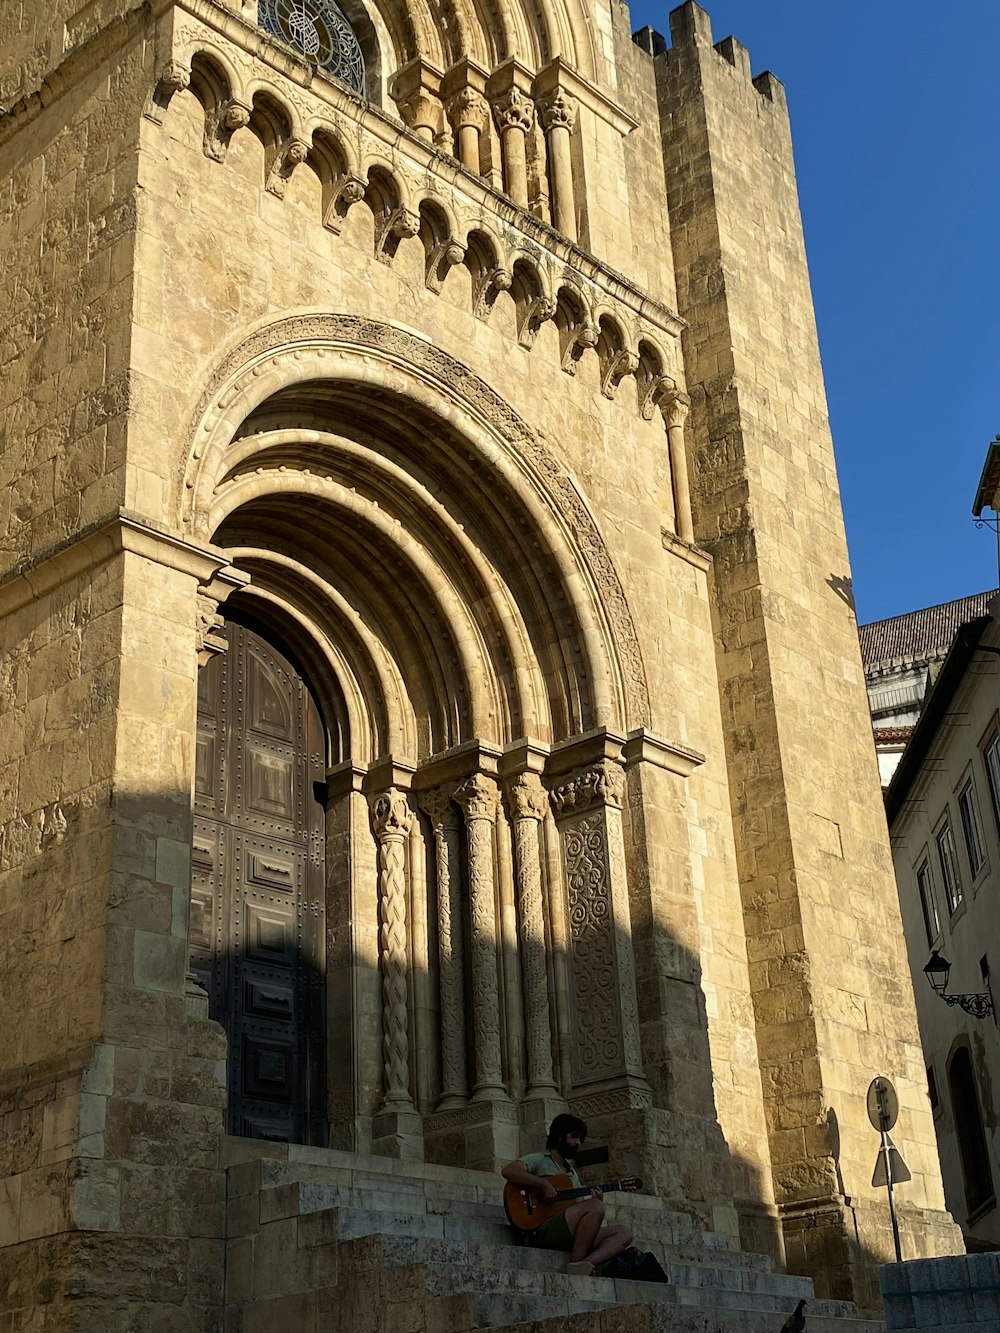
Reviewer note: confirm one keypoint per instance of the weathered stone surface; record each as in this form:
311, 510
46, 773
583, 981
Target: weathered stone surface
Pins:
594, 779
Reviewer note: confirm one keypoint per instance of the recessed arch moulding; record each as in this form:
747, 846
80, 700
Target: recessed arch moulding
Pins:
454, 582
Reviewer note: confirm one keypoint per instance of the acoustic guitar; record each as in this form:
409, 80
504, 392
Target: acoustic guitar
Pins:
527, 1212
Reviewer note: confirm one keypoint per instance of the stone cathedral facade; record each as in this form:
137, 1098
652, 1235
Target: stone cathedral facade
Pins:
431, 697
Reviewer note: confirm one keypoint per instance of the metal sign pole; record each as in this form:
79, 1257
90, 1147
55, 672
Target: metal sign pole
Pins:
892, 1201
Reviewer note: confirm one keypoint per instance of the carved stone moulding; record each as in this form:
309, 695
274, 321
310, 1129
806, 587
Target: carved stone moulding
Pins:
476, 1113
611, 1101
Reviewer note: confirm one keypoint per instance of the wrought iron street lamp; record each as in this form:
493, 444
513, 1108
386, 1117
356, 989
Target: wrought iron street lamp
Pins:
980, 1005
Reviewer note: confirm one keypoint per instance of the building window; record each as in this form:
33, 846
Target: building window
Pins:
972, 1149
970, 827
949, 867
991, 758
319, 31
932, 1090
928, 903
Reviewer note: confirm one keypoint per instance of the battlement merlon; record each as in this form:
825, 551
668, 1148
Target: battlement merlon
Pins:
691, 38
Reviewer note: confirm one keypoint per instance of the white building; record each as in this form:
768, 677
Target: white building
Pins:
943, 807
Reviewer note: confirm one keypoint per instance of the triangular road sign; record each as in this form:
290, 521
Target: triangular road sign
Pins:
900, 1171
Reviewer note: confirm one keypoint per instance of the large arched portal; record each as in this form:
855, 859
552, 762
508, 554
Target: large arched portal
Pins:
445, 589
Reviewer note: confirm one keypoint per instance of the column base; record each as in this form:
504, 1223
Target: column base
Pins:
398, 1132
536, 1114
483, 1136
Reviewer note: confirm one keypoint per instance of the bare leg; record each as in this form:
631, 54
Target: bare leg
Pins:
608, 1244
584, 1221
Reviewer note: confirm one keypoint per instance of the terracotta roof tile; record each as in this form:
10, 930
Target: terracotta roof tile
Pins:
918, 636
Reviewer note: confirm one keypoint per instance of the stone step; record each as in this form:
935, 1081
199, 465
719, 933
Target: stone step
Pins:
539, 1289
394, 1212
676, 1319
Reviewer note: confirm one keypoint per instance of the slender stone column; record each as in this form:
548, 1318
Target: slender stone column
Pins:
444, 817
391, 821
514, 116
478, 797
529, 803
558, 114
606, 1051
675, 409
467, 113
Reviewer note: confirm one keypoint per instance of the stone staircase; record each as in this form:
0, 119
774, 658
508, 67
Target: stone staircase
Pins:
330, 1242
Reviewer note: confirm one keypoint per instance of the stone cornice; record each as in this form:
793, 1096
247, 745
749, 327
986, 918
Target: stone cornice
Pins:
421, 157
86, 550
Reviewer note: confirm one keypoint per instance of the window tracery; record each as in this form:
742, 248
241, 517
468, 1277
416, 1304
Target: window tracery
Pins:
318, 30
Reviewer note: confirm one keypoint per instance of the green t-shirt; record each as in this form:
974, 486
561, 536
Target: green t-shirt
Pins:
541, 1164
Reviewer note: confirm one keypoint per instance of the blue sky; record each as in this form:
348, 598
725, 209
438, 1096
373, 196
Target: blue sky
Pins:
895, 113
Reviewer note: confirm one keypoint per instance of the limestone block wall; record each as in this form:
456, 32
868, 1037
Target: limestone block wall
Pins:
830, 989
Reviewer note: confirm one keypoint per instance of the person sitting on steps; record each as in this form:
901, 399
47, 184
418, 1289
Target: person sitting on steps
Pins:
580, 1228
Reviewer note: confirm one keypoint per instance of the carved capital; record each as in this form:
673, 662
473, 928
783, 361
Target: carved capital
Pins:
675, 408
422, 114
653, 393
557, 110
527, 797
513, 111
468, 109
601, 784
391, 815
439, 807
478, 797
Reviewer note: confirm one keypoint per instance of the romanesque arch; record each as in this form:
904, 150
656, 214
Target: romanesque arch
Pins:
443, 583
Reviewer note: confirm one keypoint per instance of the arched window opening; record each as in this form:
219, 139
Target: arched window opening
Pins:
318, 30
972, 1149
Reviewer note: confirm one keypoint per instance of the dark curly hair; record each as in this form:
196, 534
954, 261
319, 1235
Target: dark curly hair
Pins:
562, 1125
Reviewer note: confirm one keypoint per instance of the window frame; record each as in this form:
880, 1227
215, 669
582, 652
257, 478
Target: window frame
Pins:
992, 744
968, 813
928, 902
954, 892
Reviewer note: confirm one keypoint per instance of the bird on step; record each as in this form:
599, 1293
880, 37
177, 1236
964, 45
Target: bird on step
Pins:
796, 1322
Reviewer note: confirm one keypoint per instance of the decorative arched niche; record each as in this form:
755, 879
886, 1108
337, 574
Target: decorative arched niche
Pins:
374, 488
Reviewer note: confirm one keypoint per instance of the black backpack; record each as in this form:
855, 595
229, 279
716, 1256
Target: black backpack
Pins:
636, 1266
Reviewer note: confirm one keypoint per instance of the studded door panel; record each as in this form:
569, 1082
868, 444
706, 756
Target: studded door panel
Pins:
257, 919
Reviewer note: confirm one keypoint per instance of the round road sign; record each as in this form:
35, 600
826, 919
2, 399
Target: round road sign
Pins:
883, 1104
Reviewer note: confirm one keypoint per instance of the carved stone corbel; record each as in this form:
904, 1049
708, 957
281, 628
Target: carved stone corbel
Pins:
211, 595
173, 78
233, 115
576, 341
288, 157
487, 288
393, 226
653, 393
344, 192
615, 368
531, 315
442, 256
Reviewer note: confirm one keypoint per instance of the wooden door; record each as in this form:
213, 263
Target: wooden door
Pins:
257, 892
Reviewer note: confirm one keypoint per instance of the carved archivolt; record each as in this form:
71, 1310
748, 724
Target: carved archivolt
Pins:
274, 355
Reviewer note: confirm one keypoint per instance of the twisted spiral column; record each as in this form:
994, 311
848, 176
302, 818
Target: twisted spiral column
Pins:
444, 819
391, 823
479, 798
